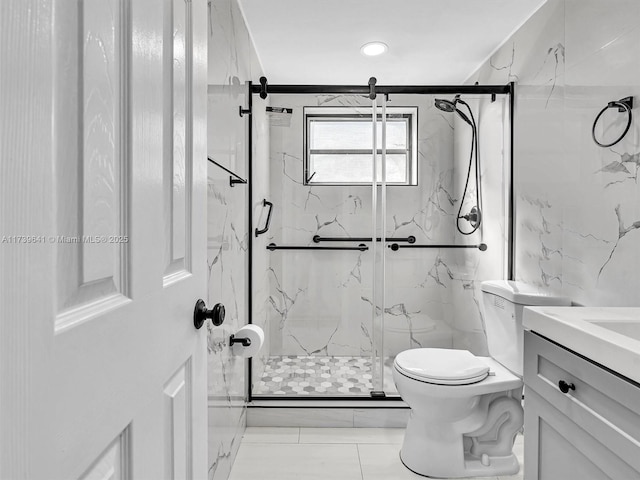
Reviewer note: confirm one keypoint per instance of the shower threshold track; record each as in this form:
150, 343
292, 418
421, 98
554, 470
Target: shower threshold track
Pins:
293, 376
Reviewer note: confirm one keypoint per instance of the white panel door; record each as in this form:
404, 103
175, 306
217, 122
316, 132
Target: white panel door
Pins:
103, 240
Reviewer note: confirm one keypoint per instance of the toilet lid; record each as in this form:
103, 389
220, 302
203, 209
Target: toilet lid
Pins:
442, 366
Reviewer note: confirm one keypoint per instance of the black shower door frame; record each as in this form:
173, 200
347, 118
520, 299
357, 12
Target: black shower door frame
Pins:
263, 89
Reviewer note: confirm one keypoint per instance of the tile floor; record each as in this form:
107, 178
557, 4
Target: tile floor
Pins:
306, 375
292, 453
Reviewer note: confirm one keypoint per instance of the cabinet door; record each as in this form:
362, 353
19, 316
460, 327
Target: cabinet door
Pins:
592, 432
557, 448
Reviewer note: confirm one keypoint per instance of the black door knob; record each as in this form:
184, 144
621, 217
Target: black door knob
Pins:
565, 387
201, 314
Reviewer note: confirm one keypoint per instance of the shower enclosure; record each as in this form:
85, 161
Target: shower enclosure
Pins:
347, 271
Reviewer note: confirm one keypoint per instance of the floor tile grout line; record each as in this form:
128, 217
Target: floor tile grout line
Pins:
271, 443
389, 444
360, 461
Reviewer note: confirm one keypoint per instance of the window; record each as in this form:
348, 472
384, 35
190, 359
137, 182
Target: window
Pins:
338, 145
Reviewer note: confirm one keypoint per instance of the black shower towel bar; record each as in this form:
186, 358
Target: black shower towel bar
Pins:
232, 181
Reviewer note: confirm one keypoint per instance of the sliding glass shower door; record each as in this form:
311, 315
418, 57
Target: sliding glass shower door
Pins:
396, 164
313, 269
372, 246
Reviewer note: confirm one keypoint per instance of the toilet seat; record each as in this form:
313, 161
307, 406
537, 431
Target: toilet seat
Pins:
441, 366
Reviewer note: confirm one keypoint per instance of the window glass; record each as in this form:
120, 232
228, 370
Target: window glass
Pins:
356, 168
339, 143
355, 134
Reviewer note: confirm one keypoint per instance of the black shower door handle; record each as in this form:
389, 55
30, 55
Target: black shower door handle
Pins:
268, 222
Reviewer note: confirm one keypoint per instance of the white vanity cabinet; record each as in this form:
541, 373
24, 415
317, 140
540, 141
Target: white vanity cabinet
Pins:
591, 432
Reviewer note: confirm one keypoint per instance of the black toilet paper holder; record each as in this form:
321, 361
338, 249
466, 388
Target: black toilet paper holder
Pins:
245, 342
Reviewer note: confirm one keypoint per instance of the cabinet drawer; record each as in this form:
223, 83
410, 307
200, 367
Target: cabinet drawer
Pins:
603, 405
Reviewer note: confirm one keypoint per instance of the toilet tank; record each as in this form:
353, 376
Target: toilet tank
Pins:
504, 302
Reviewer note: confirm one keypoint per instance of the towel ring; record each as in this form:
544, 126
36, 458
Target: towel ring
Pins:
624, 104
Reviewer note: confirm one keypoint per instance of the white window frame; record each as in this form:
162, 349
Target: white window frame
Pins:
363, 113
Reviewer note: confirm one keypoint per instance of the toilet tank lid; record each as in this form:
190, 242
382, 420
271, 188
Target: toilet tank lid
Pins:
523, 293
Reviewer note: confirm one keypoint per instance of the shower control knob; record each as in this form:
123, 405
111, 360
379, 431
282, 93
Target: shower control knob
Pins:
201, 314
565, 387
474, 217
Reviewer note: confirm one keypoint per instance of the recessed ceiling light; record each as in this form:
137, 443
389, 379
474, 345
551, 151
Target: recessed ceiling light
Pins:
372, 49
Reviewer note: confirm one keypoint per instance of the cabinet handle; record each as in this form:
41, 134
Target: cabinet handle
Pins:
565, 387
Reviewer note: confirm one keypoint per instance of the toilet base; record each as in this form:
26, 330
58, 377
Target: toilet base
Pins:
464, 430
441, 450
474, 467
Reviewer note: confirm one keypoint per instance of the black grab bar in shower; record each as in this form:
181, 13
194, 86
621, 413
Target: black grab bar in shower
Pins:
260, 231
318, 239
482, 246
272, 246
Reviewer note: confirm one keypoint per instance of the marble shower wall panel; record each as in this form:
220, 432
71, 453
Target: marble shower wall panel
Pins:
601, 260
472, 266
316, 311
232, 61
577, 203
475, 266
600, 36
321, 301
534, 59
315, 296
600, 244
541, 182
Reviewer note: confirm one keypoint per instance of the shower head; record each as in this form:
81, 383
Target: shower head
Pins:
445, 105
450, 106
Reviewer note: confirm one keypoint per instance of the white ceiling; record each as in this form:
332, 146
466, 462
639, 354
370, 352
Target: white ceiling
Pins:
430, 42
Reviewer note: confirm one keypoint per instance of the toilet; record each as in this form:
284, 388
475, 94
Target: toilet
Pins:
466, 410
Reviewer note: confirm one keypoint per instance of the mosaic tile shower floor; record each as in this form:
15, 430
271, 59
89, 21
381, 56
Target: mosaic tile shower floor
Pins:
292, 375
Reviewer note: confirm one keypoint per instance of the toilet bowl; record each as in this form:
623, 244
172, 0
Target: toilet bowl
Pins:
466, 410
446, 416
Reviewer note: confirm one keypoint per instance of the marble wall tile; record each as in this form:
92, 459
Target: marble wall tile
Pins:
232, 62
576, 203
226, 425
601, 36
534, 58
471, 267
